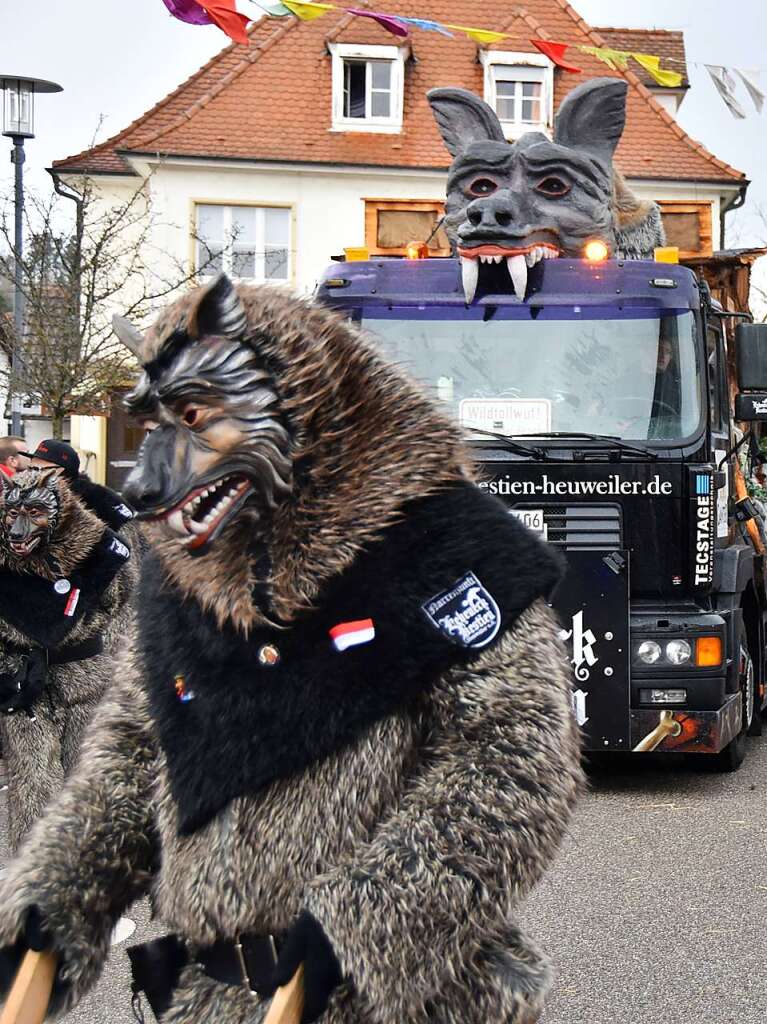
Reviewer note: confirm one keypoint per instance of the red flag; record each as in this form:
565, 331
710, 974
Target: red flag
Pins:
556, 54
230, 21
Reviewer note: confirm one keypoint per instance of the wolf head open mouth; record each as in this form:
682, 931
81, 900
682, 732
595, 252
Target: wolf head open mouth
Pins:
538, 198
217, 446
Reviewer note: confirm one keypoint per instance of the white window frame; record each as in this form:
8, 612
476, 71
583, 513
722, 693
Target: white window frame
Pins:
534, 67
341, 52
228, 253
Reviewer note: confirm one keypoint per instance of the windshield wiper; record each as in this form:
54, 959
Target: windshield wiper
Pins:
609, 440
529, 451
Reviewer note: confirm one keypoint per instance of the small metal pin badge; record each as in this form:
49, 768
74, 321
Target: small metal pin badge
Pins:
182, 693
62, 586
268, 656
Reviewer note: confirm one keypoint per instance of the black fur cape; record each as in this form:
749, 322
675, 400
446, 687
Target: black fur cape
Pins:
233, 725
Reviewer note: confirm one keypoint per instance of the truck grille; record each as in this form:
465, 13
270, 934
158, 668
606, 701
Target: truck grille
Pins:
582, 527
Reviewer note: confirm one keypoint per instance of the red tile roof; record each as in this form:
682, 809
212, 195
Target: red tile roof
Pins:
669, 46
271, 101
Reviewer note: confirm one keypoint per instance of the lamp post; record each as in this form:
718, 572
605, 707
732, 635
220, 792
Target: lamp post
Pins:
18, 125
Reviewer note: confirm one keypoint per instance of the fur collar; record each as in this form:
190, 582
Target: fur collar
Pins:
45, 609
366, 441
232, 725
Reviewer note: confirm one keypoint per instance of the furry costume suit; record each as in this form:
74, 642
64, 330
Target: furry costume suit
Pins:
408, 814
38, 611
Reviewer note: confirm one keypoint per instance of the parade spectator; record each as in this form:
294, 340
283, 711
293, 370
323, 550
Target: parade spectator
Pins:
12, 457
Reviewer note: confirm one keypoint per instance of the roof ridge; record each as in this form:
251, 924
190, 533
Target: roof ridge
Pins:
649, 99
248, 59
618, 28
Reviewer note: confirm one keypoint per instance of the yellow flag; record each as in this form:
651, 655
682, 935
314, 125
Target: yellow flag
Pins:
480, 35
651, 64
614, 59
306, 10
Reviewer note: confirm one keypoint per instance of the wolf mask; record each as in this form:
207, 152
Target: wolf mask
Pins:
538, 198
217, 443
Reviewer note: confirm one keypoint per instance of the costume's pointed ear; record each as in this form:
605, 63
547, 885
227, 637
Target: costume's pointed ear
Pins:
219, 311
592, 117
47, 475
463, 118
129, 335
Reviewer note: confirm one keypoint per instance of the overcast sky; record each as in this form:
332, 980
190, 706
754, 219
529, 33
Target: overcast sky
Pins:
117, 59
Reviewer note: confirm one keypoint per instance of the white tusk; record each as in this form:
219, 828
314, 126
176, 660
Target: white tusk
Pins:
518, 272
469, 276
176, 522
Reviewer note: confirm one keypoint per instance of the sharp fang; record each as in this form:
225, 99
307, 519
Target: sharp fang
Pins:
469, 276
198, 528
518, 272
176, 522
532, 257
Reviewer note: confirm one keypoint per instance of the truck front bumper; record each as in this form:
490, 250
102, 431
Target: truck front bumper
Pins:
683, 731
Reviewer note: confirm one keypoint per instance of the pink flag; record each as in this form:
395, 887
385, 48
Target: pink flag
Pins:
189, 11
390, 22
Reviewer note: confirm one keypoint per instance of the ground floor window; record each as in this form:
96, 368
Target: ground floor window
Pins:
250, 243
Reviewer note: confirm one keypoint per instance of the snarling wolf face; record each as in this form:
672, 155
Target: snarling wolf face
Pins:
217, 446
30, 511
537, 199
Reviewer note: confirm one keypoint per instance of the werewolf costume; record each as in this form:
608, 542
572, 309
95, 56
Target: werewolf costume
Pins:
64, 585
344, 717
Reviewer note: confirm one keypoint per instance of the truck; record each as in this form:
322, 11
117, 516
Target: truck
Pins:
602, 411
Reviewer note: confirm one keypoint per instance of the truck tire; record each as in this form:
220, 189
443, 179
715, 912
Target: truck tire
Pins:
731, 758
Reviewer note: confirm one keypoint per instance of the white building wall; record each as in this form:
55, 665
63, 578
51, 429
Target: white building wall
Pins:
328, 205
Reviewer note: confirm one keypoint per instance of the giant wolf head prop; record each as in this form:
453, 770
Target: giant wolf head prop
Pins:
279, 443
539, 198
43, 527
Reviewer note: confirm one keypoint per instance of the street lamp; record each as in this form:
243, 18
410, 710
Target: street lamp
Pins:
19, 124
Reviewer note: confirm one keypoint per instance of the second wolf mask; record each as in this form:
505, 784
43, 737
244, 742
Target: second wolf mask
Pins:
540, 198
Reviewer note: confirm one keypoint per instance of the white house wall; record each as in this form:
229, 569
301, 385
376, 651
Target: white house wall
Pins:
328, 205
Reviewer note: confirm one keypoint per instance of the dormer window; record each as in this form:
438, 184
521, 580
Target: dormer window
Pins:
367, 87
520, 89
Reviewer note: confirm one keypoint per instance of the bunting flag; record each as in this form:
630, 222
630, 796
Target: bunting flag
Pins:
188, 11
274, 10
556, 54
670, 79
480, 35
389, 22
753, 90
725, 86
224, 14
427, 26
616, 60
306, 10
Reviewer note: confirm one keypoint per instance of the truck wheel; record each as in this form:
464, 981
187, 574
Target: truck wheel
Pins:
731, 758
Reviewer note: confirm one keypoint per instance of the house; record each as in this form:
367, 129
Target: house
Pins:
318, 136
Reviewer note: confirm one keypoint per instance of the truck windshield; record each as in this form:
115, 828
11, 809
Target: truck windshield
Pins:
634, 376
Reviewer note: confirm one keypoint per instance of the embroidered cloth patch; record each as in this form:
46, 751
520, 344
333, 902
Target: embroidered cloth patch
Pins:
466, 613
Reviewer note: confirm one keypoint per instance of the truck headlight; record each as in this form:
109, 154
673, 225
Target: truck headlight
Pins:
678, 652
649, 652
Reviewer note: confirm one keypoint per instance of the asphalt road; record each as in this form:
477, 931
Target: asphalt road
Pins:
653, 912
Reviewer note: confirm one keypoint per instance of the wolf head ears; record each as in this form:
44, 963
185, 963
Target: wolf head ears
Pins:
591, 118
218, 311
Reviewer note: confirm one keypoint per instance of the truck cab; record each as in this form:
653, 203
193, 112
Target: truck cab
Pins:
598, 409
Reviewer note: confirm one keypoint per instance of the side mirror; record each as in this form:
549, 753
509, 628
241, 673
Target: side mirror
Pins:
751, 355
751, 362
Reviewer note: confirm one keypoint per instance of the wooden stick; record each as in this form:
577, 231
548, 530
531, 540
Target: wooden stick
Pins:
287, 1003
27, 1002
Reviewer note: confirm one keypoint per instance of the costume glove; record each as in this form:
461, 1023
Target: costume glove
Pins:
21, 690
307, 944
33, 936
